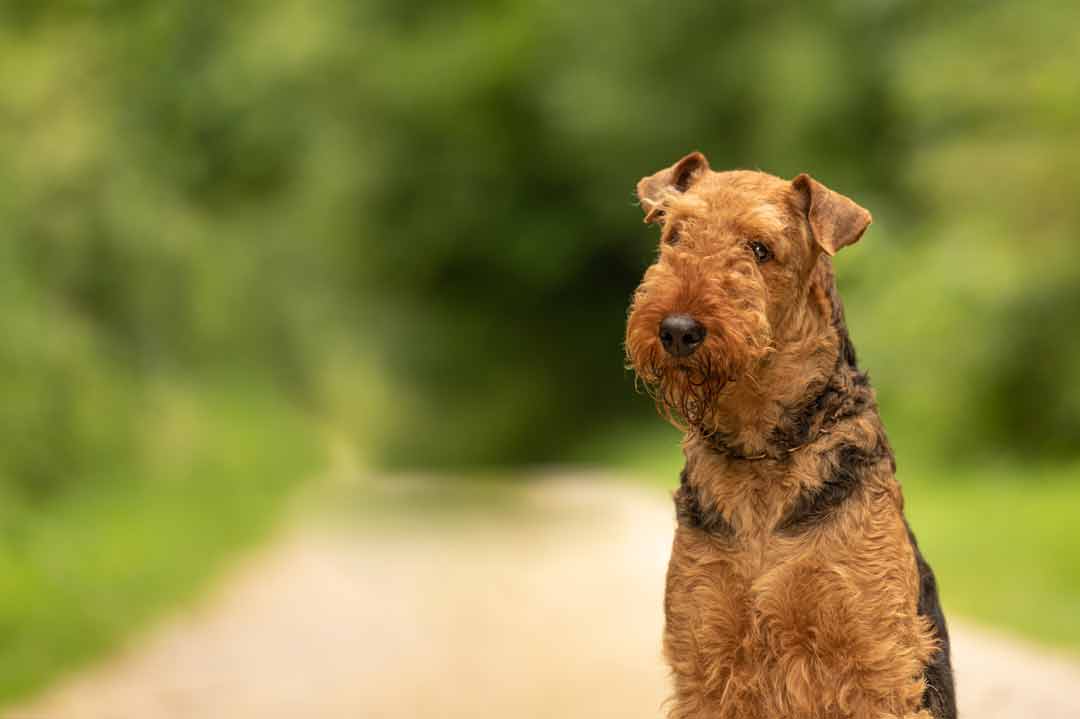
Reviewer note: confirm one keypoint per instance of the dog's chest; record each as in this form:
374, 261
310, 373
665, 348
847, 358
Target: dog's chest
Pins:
767, 620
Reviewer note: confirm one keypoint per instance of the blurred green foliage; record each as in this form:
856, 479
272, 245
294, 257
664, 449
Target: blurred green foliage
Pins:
301, 189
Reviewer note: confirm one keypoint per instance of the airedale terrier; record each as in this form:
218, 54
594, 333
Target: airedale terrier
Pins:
795, 588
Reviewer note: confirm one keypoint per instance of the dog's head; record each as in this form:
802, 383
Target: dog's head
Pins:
736, 252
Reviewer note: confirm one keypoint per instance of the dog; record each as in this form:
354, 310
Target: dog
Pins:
795, 588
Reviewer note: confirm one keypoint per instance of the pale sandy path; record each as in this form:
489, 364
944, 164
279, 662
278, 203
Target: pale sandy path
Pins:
554, 612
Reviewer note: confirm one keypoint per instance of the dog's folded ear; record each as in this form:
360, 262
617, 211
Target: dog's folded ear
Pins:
679, 178
835, 221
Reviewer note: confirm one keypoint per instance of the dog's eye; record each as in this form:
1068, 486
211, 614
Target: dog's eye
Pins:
761, 252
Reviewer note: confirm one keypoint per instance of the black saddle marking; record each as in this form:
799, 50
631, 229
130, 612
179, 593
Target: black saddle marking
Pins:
690, 513
940, 695
846, 471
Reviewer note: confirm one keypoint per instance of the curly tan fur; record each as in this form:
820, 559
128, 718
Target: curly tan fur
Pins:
793, 589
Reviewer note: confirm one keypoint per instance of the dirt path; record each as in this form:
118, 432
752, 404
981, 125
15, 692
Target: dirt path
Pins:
553, 613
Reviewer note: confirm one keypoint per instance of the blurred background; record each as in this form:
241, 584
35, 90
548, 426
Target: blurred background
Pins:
241, 241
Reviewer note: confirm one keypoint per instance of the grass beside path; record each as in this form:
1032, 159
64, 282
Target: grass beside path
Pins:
1003, 539
80, 574
1005, 544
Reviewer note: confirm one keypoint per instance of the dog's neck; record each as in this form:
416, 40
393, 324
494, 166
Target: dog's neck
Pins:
776, 408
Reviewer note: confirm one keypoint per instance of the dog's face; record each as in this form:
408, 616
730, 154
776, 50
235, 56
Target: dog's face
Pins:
736, 252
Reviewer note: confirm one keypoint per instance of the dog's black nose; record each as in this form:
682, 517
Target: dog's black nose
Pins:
681, 335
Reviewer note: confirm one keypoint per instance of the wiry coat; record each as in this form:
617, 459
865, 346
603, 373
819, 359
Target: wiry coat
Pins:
795, 588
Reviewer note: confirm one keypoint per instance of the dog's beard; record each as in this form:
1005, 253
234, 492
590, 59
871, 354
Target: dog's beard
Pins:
692, 392
687, 392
